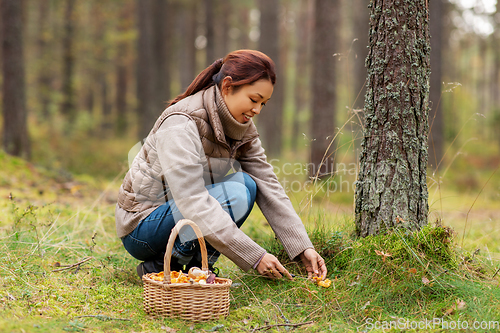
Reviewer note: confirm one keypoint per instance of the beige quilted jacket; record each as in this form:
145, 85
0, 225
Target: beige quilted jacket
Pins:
189, 147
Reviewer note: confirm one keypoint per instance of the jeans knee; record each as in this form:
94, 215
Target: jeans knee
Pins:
251, 187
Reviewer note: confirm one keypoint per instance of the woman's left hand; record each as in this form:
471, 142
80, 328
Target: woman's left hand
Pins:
315, 265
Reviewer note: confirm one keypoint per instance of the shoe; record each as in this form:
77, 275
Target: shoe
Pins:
141, 270
156, 266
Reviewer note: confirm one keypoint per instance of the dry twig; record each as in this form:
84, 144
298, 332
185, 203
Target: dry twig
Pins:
276, 325
73, 265
102, 317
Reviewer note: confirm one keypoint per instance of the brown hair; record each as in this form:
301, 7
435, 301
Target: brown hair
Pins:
243, 66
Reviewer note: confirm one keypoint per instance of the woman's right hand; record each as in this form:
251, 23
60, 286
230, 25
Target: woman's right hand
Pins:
269, 266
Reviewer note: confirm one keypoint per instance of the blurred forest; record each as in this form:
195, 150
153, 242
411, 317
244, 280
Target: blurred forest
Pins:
96, 74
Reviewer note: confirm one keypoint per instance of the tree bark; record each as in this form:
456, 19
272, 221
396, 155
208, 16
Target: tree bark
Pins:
146, 109
436, 131
327, 22
15, 132
107, 122
122, 75
221, 27
162, 32
271, 117
496, 71
44, 57
244, 20
121, 98
210, 32
391, 190
303, 36
68, 90
187, 49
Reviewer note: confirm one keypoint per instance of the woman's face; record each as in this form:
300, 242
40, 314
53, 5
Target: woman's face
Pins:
246, 101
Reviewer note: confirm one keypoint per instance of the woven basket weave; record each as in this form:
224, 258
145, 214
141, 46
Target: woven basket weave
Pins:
194, 302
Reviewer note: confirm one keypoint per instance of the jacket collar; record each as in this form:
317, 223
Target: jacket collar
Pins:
222, 121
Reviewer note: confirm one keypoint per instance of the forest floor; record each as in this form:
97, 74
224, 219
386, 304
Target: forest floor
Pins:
442, 278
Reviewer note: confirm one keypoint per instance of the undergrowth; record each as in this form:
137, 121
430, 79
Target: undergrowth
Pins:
63, 269
403, 275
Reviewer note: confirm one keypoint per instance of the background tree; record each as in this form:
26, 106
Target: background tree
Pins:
121, 70
303, 31
146, 110
495, 87
271, 118
391, 186
15, 133
163, 15
210, 23
45, 78
324, 96
105, 48
436, 137
68, 89
186, 38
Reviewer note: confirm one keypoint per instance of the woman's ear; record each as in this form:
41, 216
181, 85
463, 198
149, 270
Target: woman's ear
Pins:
226, 85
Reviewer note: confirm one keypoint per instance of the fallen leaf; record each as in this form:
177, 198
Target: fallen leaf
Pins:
449, 311
461, 305
413, 271
425, 280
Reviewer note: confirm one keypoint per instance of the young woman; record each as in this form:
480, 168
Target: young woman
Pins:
182, 171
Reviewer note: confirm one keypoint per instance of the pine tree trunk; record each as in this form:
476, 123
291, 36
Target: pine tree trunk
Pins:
162, 31
436, 135
15, 132
496, 71
244, 20
391, 189
303, 36
68, 90
271, 117
327, 22
121, 96
210, 32
146, 110
106, 122
44, 56
122, 83
187, 54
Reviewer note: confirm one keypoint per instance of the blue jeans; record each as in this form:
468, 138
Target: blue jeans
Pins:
235, 193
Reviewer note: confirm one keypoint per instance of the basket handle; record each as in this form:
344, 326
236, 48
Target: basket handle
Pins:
170, 246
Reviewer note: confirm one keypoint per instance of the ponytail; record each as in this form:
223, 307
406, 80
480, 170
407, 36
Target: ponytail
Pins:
243, 66
202, 81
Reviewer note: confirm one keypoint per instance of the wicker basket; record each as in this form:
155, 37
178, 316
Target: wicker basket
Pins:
194, 302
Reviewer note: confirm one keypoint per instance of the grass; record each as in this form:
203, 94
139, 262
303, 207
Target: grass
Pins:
50, 220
